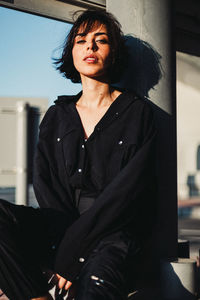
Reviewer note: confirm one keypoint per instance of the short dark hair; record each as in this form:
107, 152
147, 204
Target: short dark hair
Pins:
88, 19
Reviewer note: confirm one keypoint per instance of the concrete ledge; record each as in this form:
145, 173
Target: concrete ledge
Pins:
179, 279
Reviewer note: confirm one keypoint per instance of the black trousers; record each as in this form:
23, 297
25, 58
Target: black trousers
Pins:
28, 240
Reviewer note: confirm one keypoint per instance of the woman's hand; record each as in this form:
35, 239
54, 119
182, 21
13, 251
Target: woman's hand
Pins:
63, 283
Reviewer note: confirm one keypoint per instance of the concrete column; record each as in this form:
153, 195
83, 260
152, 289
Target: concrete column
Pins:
21, 152
152, 21
178, 279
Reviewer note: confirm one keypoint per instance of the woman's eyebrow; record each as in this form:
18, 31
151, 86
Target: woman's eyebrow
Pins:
101, 33
96, 34
80, 34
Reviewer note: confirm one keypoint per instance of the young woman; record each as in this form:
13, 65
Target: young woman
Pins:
94, 178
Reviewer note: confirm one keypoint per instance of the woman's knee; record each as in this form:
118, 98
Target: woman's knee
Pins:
7, 214
92, 287
102, 278
3, 203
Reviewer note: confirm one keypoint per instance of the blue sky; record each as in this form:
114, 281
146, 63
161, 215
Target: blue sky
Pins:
27, 45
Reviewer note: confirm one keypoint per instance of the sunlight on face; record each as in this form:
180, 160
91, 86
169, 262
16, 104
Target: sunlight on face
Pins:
91, 52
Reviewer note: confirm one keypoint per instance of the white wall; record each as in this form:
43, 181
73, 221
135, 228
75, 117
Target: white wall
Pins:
188, 119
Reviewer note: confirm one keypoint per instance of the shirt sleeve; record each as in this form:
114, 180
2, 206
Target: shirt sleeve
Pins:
127, 203
49, 191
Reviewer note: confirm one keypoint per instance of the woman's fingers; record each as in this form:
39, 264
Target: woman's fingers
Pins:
61, 282
67, 285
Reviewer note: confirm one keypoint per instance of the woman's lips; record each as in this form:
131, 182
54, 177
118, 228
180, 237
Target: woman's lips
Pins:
90, 59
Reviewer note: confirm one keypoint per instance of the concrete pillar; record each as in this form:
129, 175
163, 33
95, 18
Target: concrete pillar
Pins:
152, 21
178, 279
21, 152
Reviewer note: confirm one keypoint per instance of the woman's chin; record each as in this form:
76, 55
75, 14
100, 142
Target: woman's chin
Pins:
96, 76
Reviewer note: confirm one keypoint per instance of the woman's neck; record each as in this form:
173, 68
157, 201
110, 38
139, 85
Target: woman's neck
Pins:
96, 93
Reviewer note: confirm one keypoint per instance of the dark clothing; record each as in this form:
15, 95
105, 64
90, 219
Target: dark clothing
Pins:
116, 166
23, 245
27, 237
104, 276
97, 203
83, 203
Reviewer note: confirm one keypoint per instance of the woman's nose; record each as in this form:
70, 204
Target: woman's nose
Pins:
92, 46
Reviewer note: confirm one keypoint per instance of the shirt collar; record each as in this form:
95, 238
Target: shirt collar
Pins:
66, 99
118, 106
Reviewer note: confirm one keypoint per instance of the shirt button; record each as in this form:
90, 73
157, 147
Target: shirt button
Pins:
83, 146
98, 128
53, 247
117, 113
79, 170
58, 139
120, 142
81, 259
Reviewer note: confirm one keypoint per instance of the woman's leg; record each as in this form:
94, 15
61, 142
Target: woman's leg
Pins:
104, 274
23, 245
47, 297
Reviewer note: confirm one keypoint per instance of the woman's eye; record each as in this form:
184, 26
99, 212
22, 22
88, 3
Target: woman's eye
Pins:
80, 41
103, 41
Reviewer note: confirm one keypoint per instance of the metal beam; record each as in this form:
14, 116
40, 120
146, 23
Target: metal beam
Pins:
87, 3
187, 16
56, 9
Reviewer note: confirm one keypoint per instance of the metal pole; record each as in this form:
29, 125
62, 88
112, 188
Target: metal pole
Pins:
21, 159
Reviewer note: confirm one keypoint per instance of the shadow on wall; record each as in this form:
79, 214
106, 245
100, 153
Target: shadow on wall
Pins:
142, 74
143, 70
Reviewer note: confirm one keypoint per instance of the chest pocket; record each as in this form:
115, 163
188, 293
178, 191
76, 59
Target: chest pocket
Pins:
119, 158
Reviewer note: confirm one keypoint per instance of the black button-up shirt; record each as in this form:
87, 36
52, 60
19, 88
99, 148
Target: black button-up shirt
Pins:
116, 165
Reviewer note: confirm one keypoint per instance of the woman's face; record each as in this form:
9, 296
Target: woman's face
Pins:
91, 52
